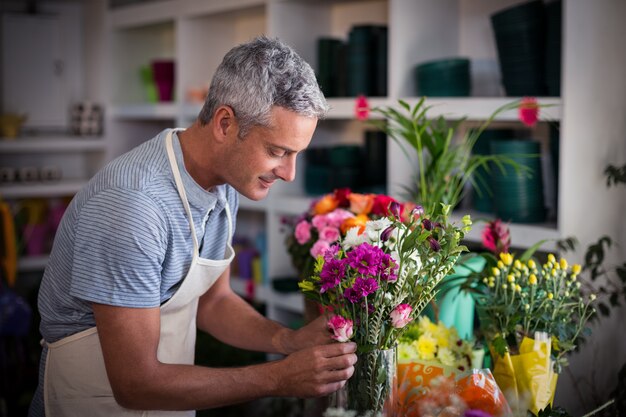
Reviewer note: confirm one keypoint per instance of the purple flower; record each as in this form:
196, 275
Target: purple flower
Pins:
365, 259
332, 273
428, 225
389, 268
434, 245
418, 211
386, 234
365, 286
476, 413
352, 295
395, 209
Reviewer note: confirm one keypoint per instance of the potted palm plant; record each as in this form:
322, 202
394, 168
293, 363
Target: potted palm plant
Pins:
445, 166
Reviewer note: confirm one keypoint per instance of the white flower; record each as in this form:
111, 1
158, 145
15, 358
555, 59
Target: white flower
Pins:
353, 238
446, 356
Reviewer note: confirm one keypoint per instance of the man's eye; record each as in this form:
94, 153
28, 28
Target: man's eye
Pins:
279, 153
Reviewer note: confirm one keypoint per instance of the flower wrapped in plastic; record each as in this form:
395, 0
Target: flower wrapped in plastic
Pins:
532, 315
377, 280
426, 352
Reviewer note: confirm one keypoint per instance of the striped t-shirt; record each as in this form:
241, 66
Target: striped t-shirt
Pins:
125, 239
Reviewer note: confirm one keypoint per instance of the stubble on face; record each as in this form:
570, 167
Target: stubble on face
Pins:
267, 154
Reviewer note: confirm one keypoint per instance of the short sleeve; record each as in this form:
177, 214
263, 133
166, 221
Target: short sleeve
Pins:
120, 245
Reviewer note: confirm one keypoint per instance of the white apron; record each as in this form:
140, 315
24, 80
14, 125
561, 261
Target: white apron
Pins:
75, 381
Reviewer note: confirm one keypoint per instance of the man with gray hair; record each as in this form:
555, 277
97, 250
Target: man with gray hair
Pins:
141, 259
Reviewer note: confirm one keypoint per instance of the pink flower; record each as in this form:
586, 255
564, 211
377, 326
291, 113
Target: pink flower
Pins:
496, 237
303, 232
319, 248
361, 108
329, 234
529, 111
341, 328
337, 217
401, 315
320, 221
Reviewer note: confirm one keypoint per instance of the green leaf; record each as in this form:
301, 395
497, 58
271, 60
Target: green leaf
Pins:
528, 253
500, 345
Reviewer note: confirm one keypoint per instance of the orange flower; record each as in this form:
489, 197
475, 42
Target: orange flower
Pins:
361, 203
325, 205
359, 220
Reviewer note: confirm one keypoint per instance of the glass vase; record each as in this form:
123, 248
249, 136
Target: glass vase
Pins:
373, 386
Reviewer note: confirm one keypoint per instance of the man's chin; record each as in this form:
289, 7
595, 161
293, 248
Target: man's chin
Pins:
256, 194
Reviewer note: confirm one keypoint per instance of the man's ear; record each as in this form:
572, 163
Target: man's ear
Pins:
224, 123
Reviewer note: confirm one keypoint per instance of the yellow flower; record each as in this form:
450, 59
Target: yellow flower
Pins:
576, 269
500, 265
532, 279
504, 286
492, 284
495, 271
426, 347
531, 264
563, 263
306, 286
518, 288
517, 264
553, 272
507, 258
407, 351
526, 306
510, 278
550, 296
446, 356
551, 258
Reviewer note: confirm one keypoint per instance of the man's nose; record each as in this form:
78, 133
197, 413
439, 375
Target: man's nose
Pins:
287, 169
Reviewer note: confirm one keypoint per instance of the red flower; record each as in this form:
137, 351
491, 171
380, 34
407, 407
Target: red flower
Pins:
381, 205
529, 111
496, 237
342, 196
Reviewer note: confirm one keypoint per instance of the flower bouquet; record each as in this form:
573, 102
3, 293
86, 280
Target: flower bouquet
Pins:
328, 219
374, 282
531, 315
326, 222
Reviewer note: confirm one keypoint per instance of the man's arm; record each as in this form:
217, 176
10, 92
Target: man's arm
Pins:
226, 316
129, 338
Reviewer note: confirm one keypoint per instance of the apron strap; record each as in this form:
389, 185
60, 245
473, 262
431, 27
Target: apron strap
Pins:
183, 195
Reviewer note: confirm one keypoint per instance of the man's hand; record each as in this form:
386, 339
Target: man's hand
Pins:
314, 371
313, 334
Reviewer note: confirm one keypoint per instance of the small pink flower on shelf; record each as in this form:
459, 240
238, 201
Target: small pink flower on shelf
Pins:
362, 108
340, 327
529, 111
496, 237
401, 316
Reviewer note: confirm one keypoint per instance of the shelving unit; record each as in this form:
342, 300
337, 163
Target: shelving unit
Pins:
196, 34
77, 159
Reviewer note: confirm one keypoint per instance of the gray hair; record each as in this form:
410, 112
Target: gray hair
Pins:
257, 75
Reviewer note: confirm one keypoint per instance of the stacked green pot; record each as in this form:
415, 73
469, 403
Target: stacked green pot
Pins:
518, 196
443, 78
520, 41
483, 197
